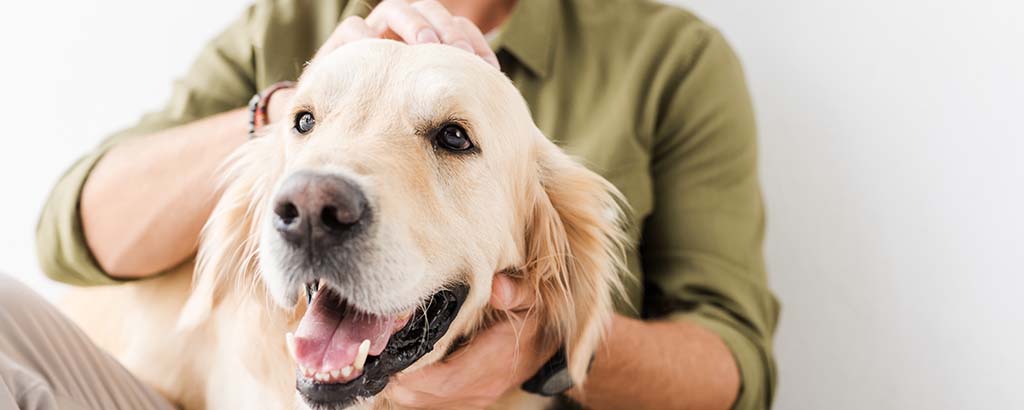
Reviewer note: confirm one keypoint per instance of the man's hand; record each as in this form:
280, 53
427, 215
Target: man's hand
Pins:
498, 359
420, 22
640, 365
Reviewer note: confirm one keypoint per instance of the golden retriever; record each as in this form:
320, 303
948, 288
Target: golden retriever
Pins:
368, 227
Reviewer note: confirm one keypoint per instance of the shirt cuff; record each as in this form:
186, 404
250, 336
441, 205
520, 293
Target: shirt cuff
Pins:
63, 253
751, 352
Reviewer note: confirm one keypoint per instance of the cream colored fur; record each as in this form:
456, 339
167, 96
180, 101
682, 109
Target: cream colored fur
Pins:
520, 205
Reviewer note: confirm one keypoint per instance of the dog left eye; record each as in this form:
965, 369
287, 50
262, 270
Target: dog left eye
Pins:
453, 137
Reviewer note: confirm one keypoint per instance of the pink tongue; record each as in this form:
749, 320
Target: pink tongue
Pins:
328, 339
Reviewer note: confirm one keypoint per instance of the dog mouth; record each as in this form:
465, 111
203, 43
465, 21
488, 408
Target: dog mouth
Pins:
344, 353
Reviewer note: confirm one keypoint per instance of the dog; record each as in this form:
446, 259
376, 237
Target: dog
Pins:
367, 227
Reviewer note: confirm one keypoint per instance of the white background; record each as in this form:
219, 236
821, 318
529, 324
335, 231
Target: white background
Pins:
892, 155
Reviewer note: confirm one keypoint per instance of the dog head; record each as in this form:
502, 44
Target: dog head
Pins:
403, 179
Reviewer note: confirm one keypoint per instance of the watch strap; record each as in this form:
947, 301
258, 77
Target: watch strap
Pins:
552, 378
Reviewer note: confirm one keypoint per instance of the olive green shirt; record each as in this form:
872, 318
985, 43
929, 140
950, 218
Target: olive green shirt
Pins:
645, 94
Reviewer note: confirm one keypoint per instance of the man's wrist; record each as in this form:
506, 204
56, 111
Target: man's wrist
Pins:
277, 106
260, 104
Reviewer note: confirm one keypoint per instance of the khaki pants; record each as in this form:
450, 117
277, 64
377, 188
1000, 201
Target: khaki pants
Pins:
46, 362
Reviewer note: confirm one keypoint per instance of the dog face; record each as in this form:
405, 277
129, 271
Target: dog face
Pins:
404, 178
407, 168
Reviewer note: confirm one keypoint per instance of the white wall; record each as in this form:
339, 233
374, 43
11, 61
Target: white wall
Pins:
73, 72
892, 138
892, 157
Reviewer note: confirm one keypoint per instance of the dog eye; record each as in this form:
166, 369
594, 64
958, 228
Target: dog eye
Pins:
452, 137
304, 122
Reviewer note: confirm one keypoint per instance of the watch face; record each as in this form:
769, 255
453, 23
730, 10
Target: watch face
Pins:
558, 383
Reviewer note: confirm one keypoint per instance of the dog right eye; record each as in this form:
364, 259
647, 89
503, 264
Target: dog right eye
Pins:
304, 122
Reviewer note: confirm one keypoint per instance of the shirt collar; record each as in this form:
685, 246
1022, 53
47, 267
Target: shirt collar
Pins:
529, 34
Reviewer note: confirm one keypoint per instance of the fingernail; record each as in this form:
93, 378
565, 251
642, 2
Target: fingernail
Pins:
463, 45
426, 36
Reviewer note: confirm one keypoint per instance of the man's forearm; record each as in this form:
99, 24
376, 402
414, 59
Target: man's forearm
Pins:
145, 202
660, 365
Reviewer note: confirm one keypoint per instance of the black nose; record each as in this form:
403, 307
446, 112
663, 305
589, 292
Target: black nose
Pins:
318, 209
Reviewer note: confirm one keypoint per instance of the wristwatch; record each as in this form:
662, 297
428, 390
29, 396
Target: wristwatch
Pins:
553, 377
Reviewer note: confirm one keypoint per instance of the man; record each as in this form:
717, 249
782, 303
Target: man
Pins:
648, 95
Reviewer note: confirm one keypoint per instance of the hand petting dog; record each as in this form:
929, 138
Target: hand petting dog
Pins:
498, 359
419, 22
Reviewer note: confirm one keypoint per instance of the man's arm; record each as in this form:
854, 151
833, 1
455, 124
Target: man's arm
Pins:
701, 246
134, 206
147, 199
630, 371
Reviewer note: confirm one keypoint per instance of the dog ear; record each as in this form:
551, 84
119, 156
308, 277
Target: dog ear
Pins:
229, 244
574, 255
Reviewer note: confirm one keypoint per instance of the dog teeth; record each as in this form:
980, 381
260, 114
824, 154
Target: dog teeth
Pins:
364, 350
331, 376
335, 375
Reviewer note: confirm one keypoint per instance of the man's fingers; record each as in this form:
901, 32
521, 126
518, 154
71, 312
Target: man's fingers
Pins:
472, 378
444, 23
351, 29
477, 40
406, 22
510, 294
426, 21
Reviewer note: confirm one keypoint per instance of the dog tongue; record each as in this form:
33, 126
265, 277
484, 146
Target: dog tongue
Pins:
329, 334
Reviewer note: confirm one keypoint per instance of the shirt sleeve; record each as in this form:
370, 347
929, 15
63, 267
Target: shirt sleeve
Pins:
219, 80
702, 244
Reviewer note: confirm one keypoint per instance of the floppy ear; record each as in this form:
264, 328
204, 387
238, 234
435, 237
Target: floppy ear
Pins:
229, 243
574, 255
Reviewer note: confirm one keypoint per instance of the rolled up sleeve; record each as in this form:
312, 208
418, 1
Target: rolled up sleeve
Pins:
219, 80
702, 243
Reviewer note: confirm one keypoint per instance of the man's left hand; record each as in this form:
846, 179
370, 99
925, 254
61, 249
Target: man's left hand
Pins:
499, 358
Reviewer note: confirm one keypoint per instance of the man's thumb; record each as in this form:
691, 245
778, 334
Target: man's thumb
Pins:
509, 294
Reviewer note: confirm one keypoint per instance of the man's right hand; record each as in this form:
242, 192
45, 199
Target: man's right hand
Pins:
420, 22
